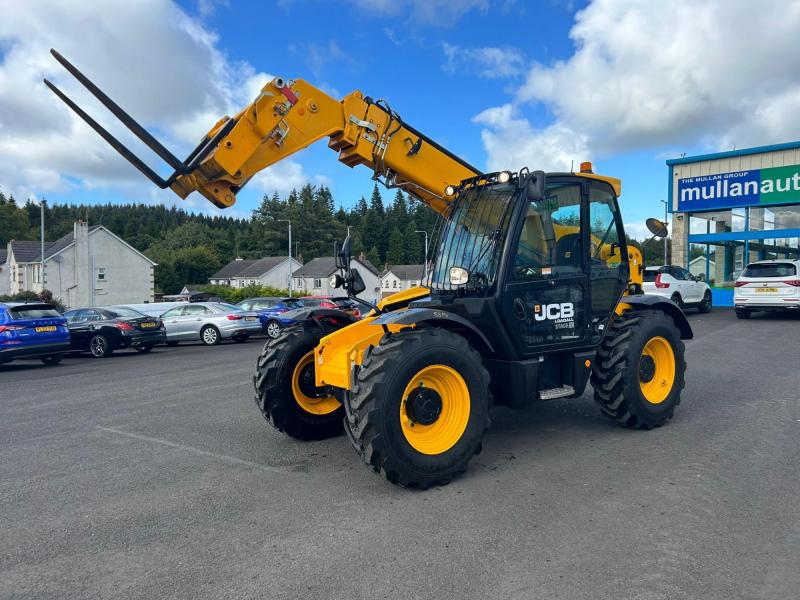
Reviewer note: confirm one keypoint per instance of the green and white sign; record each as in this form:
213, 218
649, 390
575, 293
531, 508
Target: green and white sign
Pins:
775, 185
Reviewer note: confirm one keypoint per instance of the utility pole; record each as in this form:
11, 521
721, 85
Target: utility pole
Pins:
666, 216
289, 221
426, 250
42, 206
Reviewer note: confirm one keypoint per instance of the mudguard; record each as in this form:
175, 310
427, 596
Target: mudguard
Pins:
442, 318
640, 301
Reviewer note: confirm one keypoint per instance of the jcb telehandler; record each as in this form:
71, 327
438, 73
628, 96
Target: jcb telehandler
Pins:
532, 291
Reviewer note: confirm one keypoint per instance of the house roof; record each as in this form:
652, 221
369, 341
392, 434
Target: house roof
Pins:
233, 268
26, 251
324, 266
261, 266
3, 256
406, 272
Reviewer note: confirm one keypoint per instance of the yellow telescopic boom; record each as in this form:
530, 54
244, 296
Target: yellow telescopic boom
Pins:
287, 116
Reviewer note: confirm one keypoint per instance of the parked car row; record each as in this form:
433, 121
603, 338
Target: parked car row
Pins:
39, 331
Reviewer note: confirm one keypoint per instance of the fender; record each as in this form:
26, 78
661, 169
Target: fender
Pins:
442, 318
640, 301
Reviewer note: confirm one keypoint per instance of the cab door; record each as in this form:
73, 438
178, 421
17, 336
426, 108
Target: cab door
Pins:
545, 301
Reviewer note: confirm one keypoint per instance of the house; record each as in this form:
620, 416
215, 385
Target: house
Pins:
188, 294
697, 266
401, 277
313, 278
271, 271
5, 278
87, 267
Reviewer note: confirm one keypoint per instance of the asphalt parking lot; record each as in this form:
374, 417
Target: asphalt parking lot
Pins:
154, 476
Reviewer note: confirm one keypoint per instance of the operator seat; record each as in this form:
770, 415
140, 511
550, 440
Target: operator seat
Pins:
568, 251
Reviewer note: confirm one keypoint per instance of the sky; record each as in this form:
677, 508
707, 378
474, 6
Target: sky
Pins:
502, 83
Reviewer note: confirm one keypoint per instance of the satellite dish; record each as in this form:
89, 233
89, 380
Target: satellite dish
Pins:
657, 228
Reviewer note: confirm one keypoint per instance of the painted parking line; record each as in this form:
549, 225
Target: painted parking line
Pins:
198, 451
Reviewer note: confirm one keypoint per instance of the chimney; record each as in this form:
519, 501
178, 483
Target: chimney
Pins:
84, 276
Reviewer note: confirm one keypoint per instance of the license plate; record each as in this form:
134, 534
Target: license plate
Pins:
45, 328
766, 290
250, 318
147, 325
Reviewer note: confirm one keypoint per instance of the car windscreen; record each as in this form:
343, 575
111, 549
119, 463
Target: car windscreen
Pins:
125, 313
224, 306
307, 302
650, 275
770, 270
33, 312
293, 303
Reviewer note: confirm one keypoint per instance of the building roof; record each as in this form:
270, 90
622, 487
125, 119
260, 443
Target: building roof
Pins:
261, 266
3, 256
26, 251
406, 272
731, 153
324, 266
233, 268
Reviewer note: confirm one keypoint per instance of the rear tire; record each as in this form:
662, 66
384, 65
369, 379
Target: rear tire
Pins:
676, 298
210, 335
638, 373
285, 392
100, 347
742, 313
407, 367
273, 329
53, 359
705, 303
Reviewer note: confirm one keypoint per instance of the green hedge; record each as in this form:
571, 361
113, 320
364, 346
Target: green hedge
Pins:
230, 294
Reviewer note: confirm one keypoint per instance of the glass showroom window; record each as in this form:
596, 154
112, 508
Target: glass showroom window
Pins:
702, 262
775, 249
718, 221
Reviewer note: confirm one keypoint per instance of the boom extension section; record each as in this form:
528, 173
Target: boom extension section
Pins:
287, 116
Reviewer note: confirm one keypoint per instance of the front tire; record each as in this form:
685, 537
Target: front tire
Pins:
210, 336
705, 303
420, 407
638, 373
100, 347
285, 391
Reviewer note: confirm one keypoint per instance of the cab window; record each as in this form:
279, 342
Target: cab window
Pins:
550, 243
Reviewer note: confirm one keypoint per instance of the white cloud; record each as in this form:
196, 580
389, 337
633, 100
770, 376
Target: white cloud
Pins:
426, 12
511, 142
647, 74
164, 67
493, 63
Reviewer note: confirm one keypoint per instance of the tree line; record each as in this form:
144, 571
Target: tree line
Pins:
190, 247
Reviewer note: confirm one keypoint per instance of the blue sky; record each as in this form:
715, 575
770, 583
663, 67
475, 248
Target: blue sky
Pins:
503, 83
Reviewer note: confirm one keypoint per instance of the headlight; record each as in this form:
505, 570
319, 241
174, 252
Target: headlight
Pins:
458, 276
504, 177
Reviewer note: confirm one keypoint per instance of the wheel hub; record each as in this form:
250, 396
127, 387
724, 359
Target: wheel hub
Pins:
424, 405
306, 381
647, 368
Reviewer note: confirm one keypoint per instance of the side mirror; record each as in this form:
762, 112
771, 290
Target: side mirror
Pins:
354, 284
536, 185
343, 256
657, 228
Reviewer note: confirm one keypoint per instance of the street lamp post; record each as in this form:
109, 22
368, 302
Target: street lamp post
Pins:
426, 250
42, 206
666, 216
289, 221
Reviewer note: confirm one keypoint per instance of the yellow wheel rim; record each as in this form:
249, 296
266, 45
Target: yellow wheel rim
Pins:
656, 370
302, 388
442, 434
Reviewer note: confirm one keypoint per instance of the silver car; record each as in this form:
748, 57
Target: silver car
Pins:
209, 322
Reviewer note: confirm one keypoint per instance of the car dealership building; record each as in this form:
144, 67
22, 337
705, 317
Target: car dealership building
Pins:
731, 208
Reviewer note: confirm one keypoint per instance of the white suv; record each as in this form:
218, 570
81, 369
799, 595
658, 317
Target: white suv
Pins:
680, 286
767, 285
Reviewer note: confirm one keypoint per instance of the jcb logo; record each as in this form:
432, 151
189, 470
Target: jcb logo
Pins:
551, 312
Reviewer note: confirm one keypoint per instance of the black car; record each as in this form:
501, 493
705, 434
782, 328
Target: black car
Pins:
101, 330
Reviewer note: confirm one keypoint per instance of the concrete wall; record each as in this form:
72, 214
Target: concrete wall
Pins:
278, 277
5, 279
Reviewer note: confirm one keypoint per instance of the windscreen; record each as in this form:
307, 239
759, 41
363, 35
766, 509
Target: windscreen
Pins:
770, 270
33, 312
121, 311
472, 236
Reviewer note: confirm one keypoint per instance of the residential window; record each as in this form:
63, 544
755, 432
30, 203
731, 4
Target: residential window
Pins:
101, 274
394, 283
317, 283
